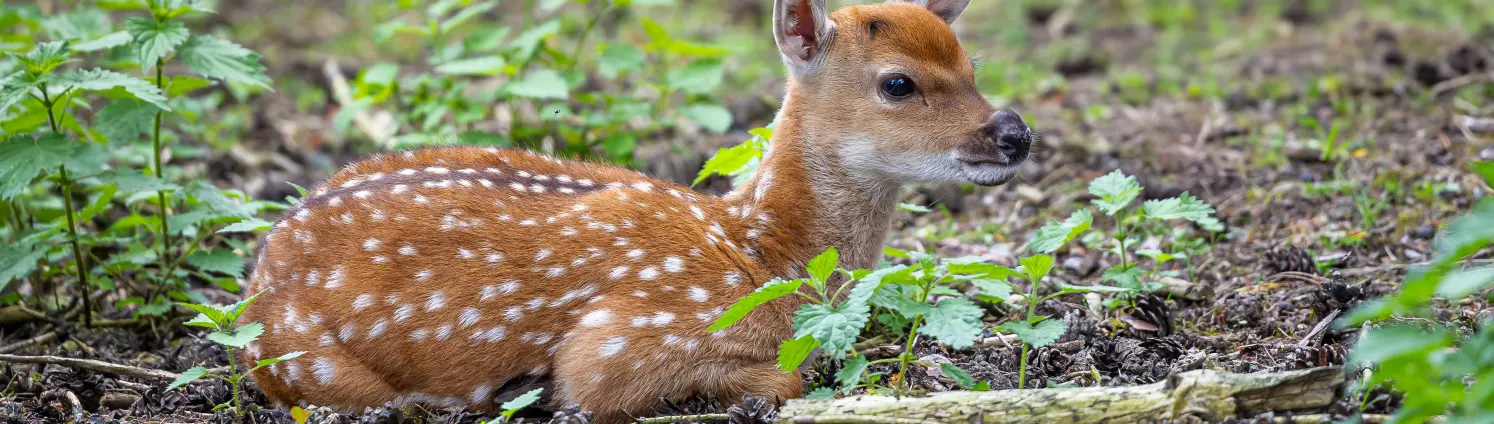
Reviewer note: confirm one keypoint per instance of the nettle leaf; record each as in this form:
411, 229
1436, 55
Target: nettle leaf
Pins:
959, 375
188, 376
214, 315
23, 157
773, 290
1115, 191
240, 337
1184, 206
219, 260
249, 225
153, 39
850, 373
1054, 235
521, 402
45, 57
1036, 266
980, 269
1043, 334
100, 80
1067, 288
214, 57
823, 264
909, 207
835, 328
727, 160
202, 321
106, 41
539, 84
17, 261
701, 76
994, 288
132, 181
278, 359
486, 65
16, 88
124, 121
954, 321
617, 58
713, 117
524, 45
820, 393
1460, 284
1398, 341
1129, 277
793, 352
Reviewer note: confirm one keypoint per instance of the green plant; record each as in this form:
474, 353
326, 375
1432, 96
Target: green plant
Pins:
514, 405
95, 194
228, 333
1115, 193
1439, 371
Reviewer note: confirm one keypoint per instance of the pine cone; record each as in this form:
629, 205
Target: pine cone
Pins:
1149, 309
1289, 259
571, 415
752, 410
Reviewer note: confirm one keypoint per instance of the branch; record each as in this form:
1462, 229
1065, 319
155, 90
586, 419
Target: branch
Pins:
1206, 394
92, 365
668, 419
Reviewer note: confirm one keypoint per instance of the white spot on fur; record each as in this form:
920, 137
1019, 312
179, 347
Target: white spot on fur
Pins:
404, 312
324, 371
699, 294
423, 275
612, 346
418, 335
371, 244
469, 317
640, 294
378, 328
513, 313
363, 301
674, 264
648, 273
436, 300
443, 332
618, 273
596, 318
732, 278
408, 250
543, 253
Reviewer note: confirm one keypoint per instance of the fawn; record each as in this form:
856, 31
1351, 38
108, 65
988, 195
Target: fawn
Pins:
459, 276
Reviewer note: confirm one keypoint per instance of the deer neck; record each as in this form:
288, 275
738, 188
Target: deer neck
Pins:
813, 202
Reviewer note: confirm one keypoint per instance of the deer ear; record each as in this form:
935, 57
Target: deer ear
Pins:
803, 31
948, 10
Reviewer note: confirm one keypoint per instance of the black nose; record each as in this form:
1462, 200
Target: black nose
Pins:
1012, 136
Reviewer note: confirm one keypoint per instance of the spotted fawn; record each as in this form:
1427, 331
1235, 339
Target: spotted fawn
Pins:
463, 276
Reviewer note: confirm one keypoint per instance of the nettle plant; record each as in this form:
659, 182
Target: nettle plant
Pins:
1437, 369
1115, 194
88, 200
542, 85
231, 335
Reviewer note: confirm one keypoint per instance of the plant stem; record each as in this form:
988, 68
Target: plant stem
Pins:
161, 194
907, 355
233, 372
1031, 310
591, 22
72, 225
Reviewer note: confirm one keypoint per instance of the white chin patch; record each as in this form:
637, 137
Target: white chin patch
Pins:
989, 174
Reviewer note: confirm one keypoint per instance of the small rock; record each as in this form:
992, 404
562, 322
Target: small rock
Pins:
119, 400
1424, 231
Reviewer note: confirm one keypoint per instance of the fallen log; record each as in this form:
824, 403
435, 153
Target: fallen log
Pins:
1209, 395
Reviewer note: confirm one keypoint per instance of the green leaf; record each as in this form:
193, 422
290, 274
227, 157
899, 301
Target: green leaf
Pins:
821, 393
993, 288
773, 290
240, 337
188, 376
1115, 190
22, 157
153, 39
248, 225
232, 312
701, 76
486, 65
1093, 289
727, 160
1396, 341
1184, 206
960, 376
823, 264
17, 261
15, 89
1036, 266
100, 80
1128, 278
179, 85
219, 260
214, 315
466, 14
45, 57
617, 58
834, 327
282, 358
711, 116
132, 182
1043, 334
954, 321
794, 351
107, 41
850, 373
526, 43
539, 84
124, 121
202, 320
909, 207
1460, 284
214, 57
1485, 169
980, 269
655, 32
1054, 235
521, 402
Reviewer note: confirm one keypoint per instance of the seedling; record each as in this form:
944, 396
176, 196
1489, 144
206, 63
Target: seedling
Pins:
223, 320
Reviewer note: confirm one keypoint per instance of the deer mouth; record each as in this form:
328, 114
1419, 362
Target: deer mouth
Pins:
987, 172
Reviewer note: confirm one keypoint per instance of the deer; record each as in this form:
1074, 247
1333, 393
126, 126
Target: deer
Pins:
462, 276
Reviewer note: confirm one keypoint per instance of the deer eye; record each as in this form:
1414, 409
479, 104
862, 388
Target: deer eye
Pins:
897, 86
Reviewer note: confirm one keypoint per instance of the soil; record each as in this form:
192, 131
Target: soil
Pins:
1268, 295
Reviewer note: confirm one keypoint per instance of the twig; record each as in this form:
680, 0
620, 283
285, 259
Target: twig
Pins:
1475, 125
92, 365
1317, 330
1454, 84
47, 337
683, 418
67, 396
855, 419
1318, 418
1294, 275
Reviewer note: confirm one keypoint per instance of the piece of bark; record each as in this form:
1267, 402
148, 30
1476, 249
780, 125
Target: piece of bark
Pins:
1205, 394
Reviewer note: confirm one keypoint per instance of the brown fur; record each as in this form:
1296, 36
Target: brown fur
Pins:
541, 247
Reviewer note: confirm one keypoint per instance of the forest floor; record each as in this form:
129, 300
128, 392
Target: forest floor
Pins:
1318, 219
